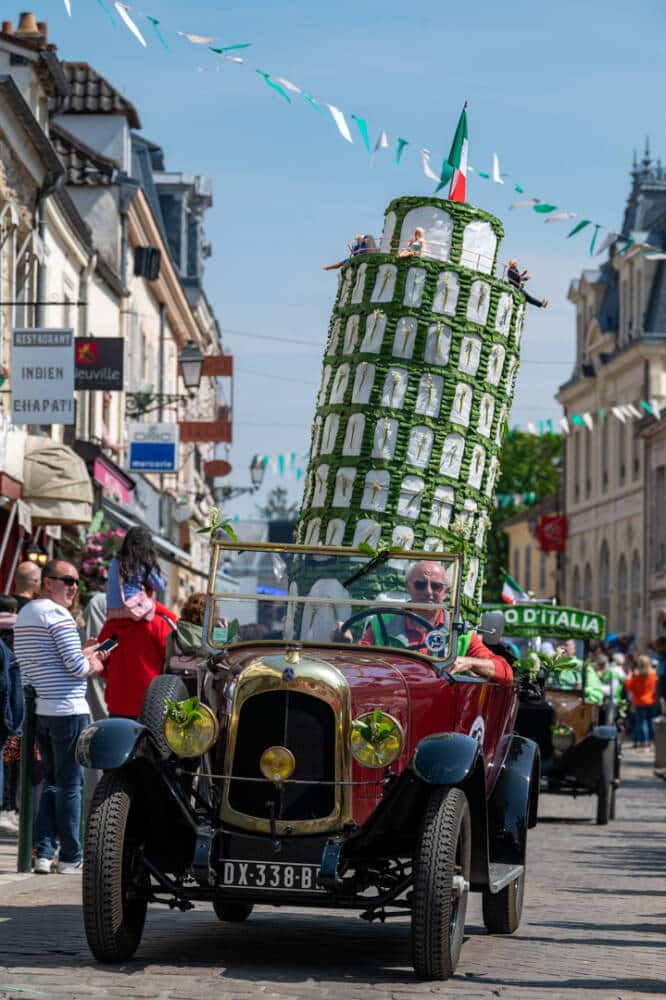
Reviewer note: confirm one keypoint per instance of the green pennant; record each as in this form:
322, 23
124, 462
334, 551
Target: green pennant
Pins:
363, 129
274, 86
646, 406
313, 104
482, 173
549, 423
597, 227
401, 145
281, 465
544, 208
577, 420
542, 428
577, 228
230, 48
630, 242
519, 189
602, 417
107, 12
155, 23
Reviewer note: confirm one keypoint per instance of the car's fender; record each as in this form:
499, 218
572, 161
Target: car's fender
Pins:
447, 758
512, 807
110, 743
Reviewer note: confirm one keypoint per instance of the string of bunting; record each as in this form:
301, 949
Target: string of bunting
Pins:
289, 91
594, 420
289, 464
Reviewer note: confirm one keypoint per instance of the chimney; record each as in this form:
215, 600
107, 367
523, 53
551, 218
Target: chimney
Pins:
43, 29
27, 26
7, 27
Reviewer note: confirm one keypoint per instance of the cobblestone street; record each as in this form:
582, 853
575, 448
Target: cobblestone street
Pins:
593, 925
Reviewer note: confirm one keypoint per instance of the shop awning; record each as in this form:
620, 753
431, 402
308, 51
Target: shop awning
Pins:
56, 484
105, 471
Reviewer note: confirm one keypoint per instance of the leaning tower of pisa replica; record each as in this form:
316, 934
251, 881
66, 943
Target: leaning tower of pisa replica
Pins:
418, 375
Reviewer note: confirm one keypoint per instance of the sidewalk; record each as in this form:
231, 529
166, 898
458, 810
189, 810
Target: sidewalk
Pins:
8, 855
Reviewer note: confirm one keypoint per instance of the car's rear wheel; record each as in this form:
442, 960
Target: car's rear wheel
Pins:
232, 911
605, 792
502, 910
441, 884
153, 709
114, 880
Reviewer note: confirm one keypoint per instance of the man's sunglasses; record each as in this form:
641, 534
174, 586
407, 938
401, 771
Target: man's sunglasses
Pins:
69, 581
435, 586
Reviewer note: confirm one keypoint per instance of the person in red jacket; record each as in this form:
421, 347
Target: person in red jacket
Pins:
138, 657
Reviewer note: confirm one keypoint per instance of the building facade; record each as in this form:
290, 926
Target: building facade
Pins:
534, 570
620, 359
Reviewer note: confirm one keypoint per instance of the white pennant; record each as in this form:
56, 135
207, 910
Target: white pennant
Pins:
287, 84
496, 170
656, 408
560, 216
618, 411
68, 7
633, 410
525, 204
381, 143
197, 39
607, 241
589, 423
427, 169
236, 59
531, 428
122, 10
564, 424
339, 120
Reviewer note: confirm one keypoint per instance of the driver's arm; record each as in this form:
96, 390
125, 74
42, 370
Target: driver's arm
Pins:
484, 663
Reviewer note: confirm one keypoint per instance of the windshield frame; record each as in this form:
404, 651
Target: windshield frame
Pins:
219, 545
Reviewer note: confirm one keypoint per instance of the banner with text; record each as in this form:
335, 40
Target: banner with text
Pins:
99, 363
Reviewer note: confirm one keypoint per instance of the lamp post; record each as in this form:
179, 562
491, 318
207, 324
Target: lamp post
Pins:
257, 471
191, 365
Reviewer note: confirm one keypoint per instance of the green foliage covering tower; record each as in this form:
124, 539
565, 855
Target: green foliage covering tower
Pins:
419, 371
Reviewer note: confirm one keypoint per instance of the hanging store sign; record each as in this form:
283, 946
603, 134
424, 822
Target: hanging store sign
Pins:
551, 533
42, 376
153, 447
99, 363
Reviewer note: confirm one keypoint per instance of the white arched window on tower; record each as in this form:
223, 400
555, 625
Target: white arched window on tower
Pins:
437, 227
479, 245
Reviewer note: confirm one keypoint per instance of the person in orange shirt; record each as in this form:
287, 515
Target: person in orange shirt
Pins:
642, 687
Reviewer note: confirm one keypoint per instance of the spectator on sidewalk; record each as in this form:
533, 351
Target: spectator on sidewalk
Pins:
11, 710
642, 687
52, 660
27, 583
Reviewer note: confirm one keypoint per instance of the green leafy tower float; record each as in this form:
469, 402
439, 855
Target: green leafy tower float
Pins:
419, 372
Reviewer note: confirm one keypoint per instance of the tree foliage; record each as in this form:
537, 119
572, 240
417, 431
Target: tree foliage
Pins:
529, 463
277, 507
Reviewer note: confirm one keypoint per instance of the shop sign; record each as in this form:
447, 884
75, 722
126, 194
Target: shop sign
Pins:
99, 363
42, 376
551, 533
115, 481
153, 447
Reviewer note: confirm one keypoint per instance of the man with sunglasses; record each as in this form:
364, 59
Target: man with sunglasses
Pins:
427, 583
52, 660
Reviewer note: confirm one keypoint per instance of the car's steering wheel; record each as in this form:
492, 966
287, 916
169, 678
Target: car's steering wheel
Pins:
379, 613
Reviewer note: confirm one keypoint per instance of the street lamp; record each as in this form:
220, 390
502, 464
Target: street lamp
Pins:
257, 470
36, 554
191, 365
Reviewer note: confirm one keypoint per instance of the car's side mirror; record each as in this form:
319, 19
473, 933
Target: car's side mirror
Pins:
492, 627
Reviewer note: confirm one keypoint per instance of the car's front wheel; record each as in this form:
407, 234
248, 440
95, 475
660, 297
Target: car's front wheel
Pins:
441, 884
115, 883
502, 910
232, 911
164, 688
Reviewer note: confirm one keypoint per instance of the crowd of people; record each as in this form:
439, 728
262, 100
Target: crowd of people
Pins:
82, 665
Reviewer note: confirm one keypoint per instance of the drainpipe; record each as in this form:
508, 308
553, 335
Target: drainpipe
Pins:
52, 181
84, 288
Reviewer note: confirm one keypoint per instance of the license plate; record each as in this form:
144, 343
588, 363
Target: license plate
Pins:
279, 876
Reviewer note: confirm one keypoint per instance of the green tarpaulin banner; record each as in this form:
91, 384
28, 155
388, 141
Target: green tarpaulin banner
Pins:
549, 621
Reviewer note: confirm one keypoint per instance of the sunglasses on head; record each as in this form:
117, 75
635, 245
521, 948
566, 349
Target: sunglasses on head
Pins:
69, 581
435, 585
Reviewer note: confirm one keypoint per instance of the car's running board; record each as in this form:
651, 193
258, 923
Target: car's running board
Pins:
501, 875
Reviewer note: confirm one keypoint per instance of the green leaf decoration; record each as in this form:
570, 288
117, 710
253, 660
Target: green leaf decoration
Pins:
184, 713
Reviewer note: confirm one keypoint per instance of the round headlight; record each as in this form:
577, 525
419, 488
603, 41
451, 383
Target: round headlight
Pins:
194, 739
377, 739
277, 764
563, 737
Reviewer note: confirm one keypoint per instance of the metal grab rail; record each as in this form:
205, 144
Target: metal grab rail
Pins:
468, 258
26, 788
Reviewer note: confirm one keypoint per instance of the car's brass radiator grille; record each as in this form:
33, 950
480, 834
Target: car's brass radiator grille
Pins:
306, 726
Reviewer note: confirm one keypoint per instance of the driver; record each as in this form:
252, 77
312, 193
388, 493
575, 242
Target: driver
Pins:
427, 583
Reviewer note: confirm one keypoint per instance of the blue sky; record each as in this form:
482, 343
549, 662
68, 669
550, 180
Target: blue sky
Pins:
562, 92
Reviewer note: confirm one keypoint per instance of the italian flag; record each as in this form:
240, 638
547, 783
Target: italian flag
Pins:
455, 167
512, 593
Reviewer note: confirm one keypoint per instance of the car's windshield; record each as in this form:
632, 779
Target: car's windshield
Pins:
320, 595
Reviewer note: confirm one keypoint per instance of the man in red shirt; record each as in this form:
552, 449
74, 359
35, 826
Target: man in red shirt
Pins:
427, 583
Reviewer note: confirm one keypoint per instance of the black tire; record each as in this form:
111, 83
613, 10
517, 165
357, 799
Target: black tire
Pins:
153, 709
502, 910
605, 792
111, 874
444, 851
232, 911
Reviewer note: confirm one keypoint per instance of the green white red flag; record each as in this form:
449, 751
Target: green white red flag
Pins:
454, 168
512, 592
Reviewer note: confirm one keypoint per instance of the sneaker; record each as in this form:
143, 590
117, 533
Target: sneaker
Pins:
69, 867
7, 823
42, 866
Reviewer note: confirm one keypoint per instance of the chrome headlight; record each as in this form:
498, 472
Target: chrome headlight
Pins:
194, 739
563, 737
377, 739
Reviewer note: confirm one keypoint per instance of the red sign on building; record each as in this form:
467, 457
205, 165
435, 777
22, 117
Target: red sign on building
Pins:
551, 533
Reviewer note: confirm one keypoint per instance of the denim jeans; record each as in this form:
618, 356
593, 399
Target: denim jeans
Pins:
59, 815
643, 729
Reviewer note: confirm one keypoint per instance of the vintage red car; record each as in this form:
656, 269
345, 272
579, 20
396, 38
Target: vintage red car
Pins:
337, 761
